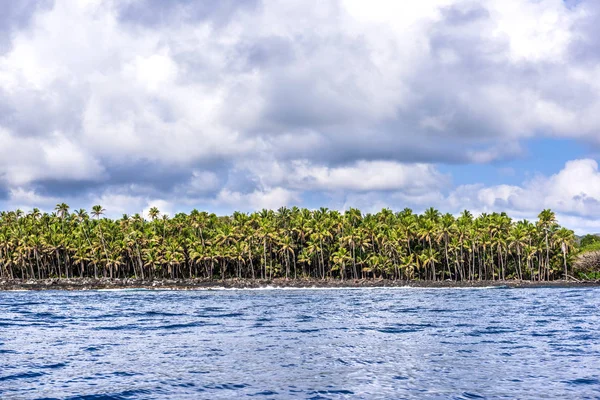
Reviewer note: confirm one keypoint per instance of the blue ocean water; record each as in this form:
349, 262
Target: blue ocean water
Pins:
306, 344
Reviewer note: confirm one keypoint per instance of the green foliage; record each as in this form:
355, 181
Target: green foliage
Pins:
594, 275
287, 243
590, 247
589, 240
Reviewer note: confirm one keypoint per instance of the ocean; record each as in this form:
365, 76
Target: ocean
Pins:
364, 343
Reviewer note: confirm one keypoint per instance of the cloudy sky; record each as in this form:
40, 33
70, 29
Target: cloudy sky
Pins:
490, 105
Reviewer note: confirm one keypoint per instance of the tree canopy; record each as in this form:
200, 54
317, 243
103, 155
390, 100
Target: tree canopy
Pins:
286, 243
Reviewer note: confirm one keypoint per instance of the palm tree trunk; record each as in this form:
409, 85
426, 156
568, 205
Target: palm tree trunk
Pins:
264, 257
479, 264
354, 260
58, 263
520, 268
37, 262
295, 268
565, 261
501, 263
432, 264
322, 259
547, 254
141, 264
446, 251
250, 256
493, 267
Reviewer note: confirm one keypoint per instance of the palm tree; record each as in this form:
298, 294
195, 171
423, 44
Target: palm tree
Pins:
323, 243
340, 258
408, 265
431, 257
565, 239
426, 233
546, 221
153, 213
518, 240
286, 249
98, 211
446, 228
62, 210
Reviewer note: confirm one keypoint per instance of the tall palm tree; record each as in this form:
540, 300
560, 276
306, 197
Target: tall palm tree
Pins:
565, 239
324, 244
546, 221
518, 240
62, 210
153, 213
97, 212
446, 228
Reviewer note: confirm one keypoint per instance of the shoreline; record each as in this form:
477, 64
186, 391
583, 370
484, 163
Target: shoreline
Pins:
199, 284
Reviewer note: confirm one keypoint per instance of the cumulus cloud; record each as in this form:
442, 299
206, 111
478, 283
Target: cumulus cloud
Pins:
265, 103
367, 175
258, 199
360, 176
574, 190
573, 193
25, 160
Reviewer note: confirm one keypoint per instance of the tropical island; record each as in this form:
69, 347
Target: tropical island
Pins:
290, 246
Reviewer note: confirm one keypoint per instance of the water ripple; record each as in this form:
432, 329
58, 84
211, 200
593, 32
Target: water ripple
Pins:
306, 344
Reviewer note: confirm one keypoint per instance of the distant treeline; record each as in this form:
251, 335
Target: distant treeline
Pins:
287, 243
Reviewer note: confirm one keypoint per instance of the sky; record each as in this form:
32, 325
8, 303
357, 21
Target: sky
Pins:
490, 105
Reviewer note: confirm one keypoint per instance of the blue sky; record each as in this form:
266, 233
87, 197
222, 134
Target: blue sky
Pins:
540, 156
242, 105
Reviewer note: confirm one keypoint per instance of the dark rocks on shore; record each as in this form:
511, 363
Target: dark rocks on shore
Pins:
190, 284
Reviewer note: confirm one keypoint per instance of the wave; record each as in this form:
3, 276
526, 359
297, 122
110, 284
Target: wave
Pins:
294, 288
24, 375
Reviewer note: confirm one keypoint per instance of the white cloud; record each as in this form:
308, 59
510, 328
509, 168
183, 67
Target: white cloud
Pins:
117, 204
366, 176
258, 199
359, 176
574, 190
153, 72
537, 31
254, 109
573, 193
202, 182
165, 207
24, 160
191, 92
23, 199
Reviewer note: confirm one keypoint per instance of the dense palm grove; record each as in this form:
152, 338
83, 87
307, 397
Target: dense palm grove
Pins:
287, 243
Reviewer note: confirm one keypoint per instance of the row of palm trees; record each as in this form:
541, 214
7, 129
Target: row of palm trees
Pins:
287, 243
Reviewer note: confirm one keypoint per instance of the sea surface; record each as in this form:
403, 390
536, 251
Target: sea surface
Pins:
305, 344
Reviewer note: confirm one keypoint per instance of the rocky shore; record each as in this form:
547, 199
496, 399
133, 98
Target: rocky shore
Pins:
192, 284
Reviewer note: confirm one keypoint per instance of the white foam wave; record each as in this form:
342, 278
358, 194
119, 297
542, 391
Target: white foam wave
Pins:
311, 288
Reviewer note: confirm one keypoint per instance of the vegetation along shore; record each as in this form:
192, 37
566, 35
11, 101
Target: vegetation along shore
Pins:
287, 245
